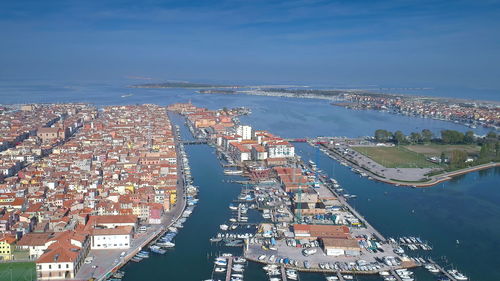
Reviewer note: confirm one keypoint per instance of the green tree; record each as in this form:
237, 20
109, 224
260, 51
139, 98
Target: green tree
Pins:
489, 151
427, 135
399, 137
382, 135
415, 137
469, 137
452, 137
457, 159
491, 136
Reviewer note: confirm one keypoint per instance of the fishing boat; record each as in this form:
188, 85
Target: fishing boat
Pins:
432, 268
220, 269
235, 243
143, 254
136, 259
157, 249
239, 260
215, 239
457, 275
166, 244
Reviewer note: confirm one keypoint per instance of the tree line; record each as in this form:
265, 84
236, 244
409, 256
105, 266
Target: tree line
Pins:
427, 136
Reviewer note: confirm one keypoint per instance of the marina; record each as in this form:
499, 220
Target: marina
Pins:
290, 262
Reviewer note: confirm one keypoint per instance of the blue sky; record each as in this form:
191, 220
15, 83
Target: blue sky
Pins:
424, 43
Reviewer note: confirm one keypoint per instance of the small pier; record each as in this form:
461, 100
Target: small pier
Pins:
393, 273
339, 275
283, 273
442, 270
229, 268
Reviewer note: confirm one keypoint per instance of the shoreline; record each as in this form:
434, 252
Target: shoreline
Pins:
434, 180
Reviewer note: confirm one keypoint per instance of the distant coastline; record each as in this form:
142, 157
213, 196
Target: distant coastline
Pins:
187, 85
471, 113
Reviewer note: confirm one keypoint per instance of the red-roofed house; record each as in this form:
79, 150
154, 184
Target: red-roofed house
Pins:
64, 257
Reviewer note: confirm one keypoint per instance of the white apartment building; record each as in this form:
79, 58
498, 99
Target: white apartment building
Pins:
280, 150
111, 238
245, 132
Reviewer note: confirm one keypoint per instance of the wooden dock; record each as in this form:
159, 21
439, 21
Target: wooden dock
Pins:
283, 274
393, 273
442, 270
229, 268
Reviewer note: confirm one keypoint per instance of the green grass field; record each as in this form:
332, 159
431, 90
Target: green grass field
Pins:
395, 157
17, 271
437, 149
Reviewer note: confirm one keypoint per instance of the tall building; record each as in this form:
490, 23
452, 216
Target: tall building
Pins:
245, 132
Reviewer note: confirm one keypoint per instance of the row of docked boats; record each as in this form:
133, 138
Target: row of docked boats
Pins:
413, 243
232, 239
166, 240
225, 263
140, 256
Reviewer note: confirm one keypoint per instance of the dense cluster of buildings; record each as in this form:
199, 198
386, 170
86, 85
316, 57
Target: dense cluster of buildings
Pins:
471, 114
84, 180
242, 143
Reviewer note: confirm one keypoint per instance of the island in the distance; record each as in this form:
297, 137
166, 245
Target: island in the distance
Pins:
180, 84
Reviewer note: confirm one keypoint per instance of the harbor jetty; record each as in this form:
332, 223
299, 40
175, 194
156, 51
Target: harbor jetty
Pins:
442, 271
229, 268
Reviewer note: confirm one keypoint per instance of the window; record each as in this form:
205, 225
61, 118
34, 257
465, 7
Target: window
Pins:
67, 265
59, 266
50, 266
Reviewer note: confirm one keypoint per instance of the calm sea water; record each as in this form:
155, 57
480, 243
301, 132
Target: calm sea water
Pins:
465, 209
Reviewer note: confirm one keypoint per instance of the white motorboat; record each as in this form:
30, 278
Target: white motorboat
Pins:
220, 269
